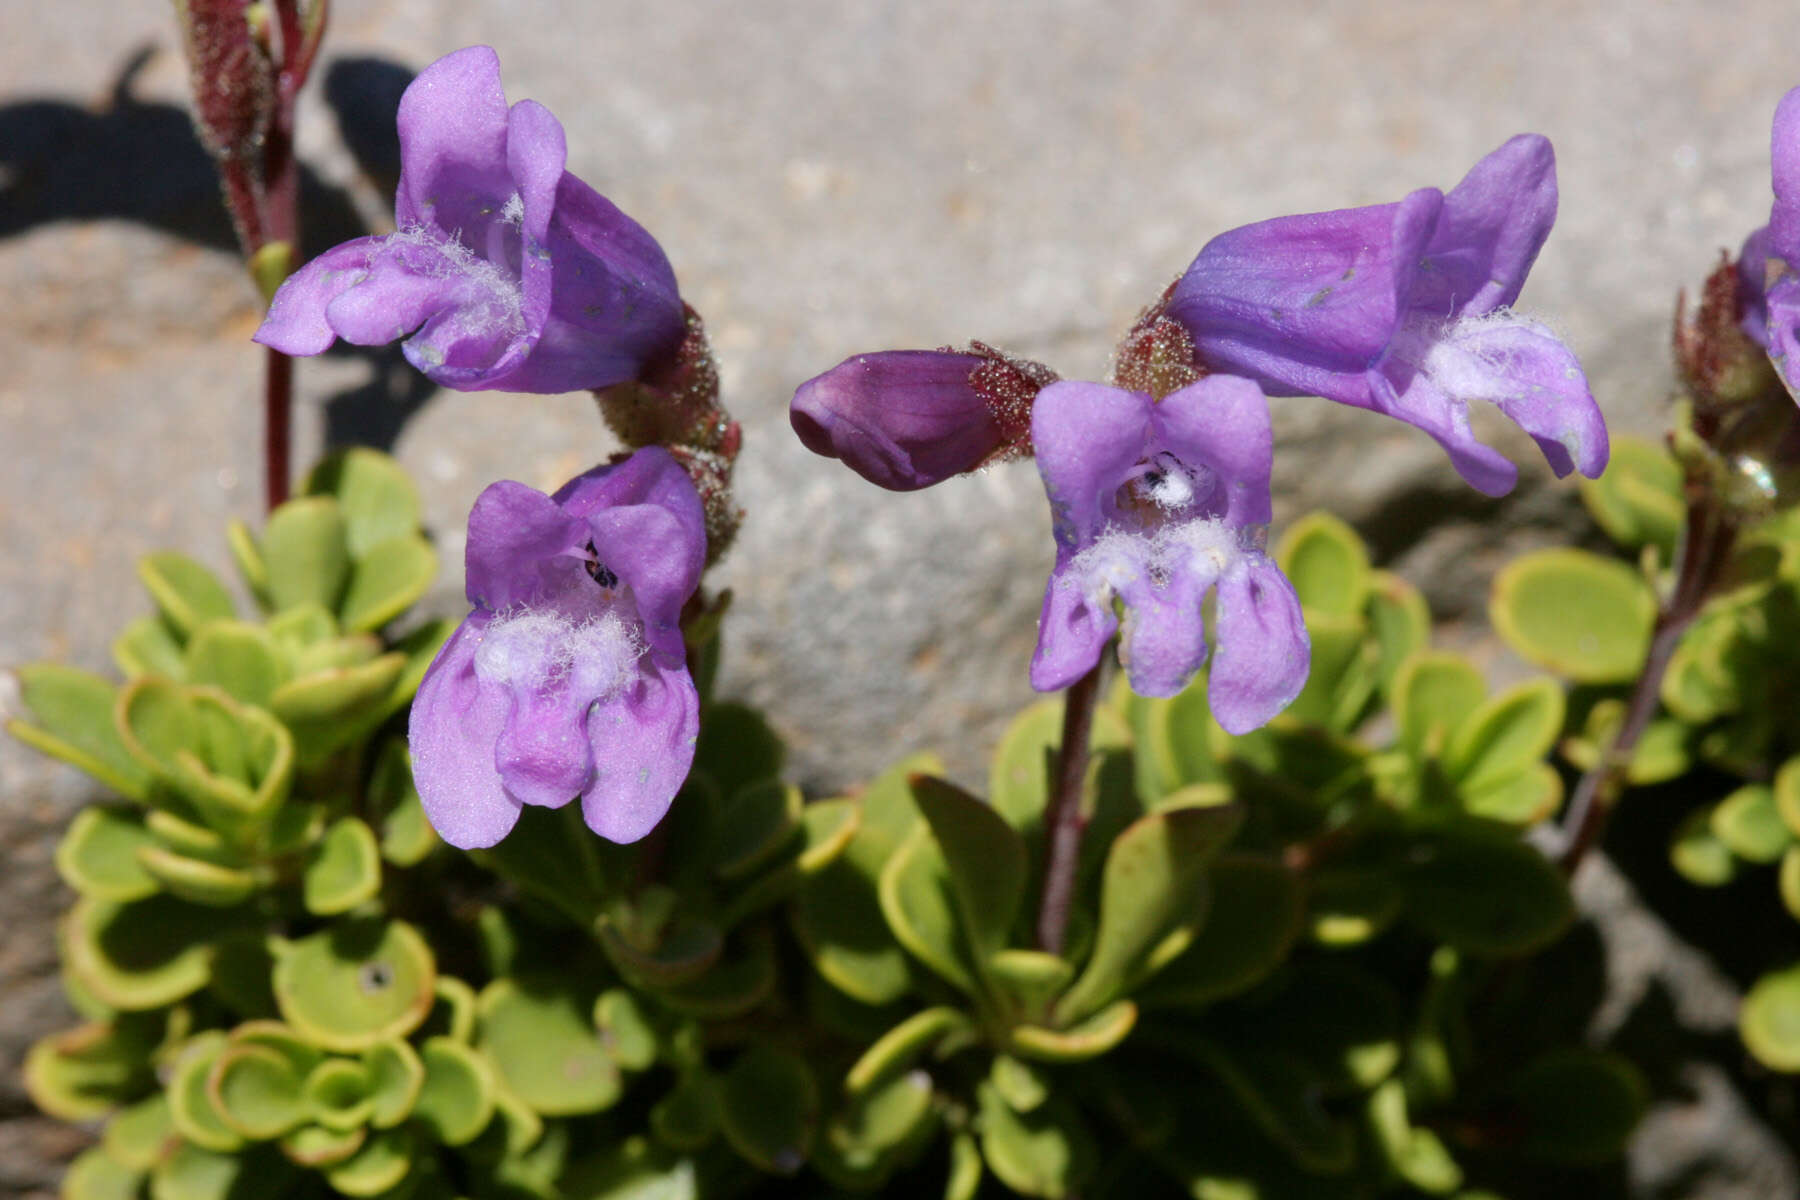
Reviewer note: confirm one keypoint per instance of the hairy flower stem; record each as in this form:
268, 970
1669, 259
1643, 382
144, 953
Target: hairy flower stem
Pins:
1705, 548
1066, 822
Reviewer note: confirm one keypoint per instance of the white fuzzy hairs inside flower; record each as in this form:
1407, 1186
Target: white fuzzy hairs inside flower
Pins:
1206, 548
541, 650
494, 299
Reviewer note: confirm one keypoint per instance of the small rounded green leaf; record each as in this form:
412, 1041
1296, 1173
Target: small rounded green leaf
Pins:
72, 718
98, 856
306, 547
457, 1101
406, 833
737, 747
626, 1029
1578, 1105
317, 1146
1788, 880
1585, 617
195, 879
386, 581
256, 1091
242, 659
356, 984
985, 858
87, 1071
326, 710
1327, 564
1399, 621
1434, 694
1048, 1152
1787, 795
378, 500
1506, 735
1769, 1020
191, 1106
141, 1135
899, 1048
147, 646
916, 902
754, 825
396, 1074
1698, 855
540, 1038
1486, 893
194, 1172
688, 1115
186, 593
1019, 777
380, 1164
343, 871
1416, 1155
1638, 500
1347, 906
1076, 1043
141, 955
338, 1094
1251, 925
769, 1109
97, 1175
247, 554
1750, 825
1032, 979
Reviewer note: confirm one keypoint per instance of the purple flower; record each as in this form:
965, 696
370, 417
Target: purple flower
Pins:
1776, 321
906, 419
1156, 503
507, 271
569, 677
1405, 309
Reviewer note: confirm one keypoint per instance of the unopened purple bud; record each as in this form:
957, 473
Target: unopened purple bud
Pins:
234, 82
906, 419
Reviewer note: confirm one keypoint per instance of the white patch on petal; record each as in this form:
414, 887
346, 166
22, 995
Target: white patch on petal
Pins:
490, 300
540, 650
1202, 547
514, 212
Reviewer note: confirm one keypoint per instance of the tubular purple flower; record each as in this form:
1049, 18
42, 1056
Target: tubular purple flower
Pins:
1404, 308
569, 677
507, 271
1156, 503
906, 419
1780, 310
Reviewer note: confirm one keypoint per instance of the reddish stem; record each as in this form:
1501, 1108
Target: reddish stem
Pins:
1066, 821
278, 404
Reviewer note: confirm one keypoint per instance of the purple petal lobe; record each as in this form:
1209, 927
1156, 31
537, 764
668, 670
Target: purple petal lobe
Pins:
1493, 225
1784, 330
1264, 653
1164, 638
1073, 629
643, 746
296, 321
520, 547
1784, 147
902, 419
1752, 285
1222, 423
1088, 437
452, 125
452, 729
1304, 305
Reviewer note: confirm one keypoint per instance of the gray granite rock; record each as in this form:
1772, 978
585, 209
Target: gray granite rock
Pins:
828, 178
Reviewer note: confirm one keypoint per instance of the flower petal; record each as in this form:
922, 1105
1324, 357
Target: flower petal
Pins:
1223, 422
452, 730
902, 419
542, 752
1784, 331
1304, 305
1087, 436
1263, 651
643, 746
452, 124
1493, 225
1753, 284
1073, 629
1784, 155
1164, 641
296, 321
519, 547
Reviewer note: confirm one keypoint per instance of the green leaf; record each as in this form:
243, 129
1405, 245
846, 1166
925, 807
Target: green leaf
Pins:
1282, 1095
141, 955
1435, 692
396, 1076
1521, 799
1031, 979
146, 646
305, 545
317, 1146
1585, 617
661, 954
1662, 752
1399, 621
88, 1071
769, 1109
195, 879
457, 1100
191, 1107
186, 593
98, 856
687, 1116
1153, 888
1485, 893
242, 659
737, 747
1506, 735
1698, 855
1327, 564
256, 1091
1019, 777
1638, 500
1347, 906
1083, 1040
1769, 1020
356, 983
248, 556
73, 711
965, 1169
899, 1048
985, 859
836, 914
753, 826
1250, 927
196, 1173
1579, 1106
1787, 795
378, 500
634, 1169
736, 984
1047, 1152
883, 1119
380, 1164
343, 871
140, 1135
1788, 881
407, 837
386, 581
1750, 825
626, 1028
97, 1175
916, 902
1416, 1155
327, 710
538, 1034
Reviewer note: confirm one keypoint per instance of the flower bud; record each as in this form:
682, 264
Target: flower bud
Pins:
906, 419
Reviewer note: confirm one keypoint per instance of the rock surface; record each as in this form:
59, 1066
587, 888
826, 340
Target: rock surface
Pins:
828, 179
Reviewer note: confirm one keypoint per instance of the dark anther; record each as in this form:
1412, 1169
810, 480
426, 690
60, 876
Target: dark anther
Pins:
601, 573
